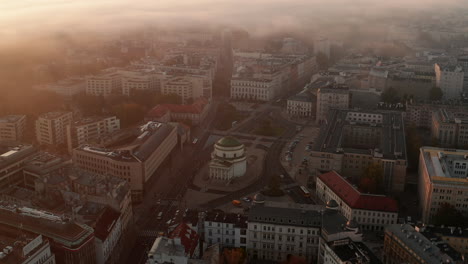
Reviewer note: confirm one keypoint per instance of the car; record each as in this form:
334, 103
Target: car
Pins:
246, 199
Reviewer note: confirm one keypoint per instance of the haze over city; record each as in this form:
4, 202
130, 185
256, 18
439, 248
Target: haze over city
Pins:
206, 132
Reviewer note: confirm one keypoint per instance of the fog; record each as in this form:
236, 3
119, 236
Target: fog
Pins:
21, 18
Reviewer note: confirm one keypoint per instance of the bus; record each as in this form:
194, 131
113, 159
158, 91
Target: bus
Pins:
305, 192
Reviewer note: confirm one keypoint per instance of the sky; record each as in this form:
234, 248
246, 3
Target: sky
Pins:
20, 17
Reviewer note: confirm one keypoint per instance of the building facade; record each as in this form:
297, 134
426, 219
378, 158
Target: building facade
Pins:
450, 128
12, 127
225, 229
442, 179
90, 129
51, 128
300, 105
253, 89
450, 80
187, 86
104, 84
228, 160
331, 97
13, 158
371, 212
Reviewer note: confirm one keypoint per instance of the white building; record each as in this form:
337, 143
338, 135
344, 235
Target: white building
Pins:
187, 86
322, 45
22, 247
228, 160
300, 105
90, 129
225, 229
12, 127
67, 87
107, 231
51, 128
442, 179
450, 80
331, 97
141, 81
104, 84
371, 212
253, 89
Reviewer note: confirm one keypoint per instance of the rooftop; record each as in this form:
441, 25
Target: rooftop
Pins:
391, 141
442, 165
354, 198
239, 220
53, 115
414, 241
11, 153
11, 118
228, 142
90, 120
353, 252
446, 116
43, 163
286, 214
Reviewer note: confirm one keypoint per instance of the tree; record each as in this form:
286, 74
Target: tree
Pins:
448, 215
129, 113
390, 96
413, 144
435, 94
371, 180
322, 61
273, 188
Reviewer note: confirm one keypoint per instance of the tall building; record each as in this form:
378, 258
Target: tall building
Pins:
51, 128
12, 161
144, 149
442, 179
90, 129
403, 244
12, 127
22, 247
450, 128
450, 80
71, 242
350, 141
331, 97
371, 212
463, 62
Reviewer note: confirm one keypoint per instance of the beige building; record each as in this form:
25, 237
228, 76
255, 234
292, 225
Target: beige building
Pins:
442, 179
228, 160
331, 97
300, 105
188, 86
104, 84
12, 161
350, 141
90, 129
253, 89
51, 128
450, 128
141, 80
146, 148
370, 211
12, 127
450, 80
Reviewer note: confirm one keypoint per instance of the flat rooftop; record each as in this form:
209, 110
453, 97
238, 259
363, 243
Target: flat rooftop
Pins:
90, 120
353, 252
18, 240
392, 143
440, 164
11, 118
456, 117
53, 115
11, 153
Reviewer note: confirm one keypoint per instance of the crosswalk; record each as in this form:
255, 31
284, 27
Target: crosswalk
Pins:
148, 233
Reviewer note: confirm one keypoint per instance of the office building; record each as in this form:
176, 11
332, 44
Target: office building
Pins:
70, 242
228, 160
333, 96
442, 179
108, 232
350, 141
141, 81
144, 149
22, 247
187, 86
450, 128
51, 128
225, 229
301, 105
455, 237
194, 113
403, 244
450, 80
104, 84
12, 127
89, 130
251, 88
346, 251
12, 161
39, 166
371, 212
463, 62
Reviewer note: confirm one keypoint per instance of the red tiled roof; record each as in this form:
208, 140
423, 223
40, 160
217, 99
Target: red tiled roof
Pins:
355, 199
188, 237
195, 108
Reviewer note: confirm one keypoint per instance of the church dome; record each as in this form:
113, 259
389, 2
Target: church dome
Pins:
352, 224
332, 204
259, 198
229, 142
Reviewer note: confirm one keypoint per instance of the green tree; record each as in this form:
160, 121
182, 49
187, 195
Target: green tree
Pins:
390, 96
448, 215
435, 94
371, 180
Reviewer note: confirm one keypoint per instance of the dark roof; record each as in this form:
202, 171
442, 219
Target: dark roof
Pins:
149, 146
228, 141
105, 223
239, 220
284, 216
353, 252
355, 199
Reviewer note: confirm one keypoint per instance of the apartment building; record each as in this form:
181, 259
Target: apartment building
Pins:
12, 127
450, 80
187, 87
22, 247
403, 244
346, 251
141, 81
146, 148
225, 229
12, 161
39, 165
104, 84
90, 129
450, 128
371, 212
333, 96
301, 105
351, 140
442, 179
67, 87
456, 237
51, 128
253, 89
